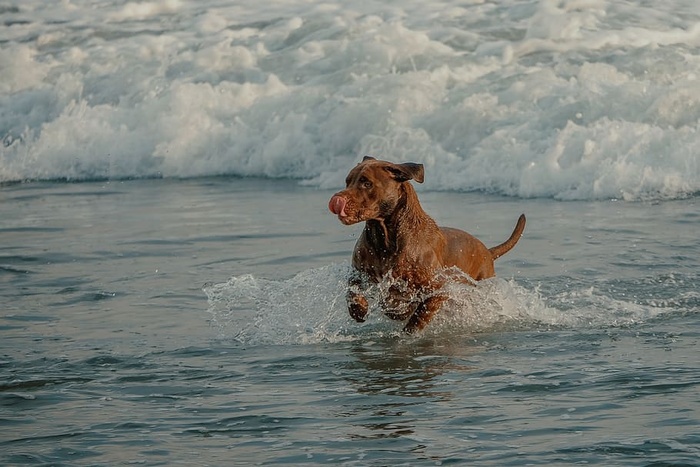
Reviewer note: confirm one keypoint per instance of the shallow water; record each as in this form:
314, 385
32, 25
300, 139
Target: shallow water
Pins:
202, 322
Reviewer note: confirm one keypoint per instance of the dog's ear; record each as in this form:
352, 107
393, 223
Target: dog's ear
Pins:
406, 171
368, 158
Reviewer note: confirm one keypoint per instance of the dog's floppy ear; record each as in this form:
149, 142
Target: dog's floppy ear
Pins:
406, 171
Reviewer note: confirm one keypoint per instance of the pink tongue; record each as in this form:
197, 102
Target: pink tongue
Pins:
337, 206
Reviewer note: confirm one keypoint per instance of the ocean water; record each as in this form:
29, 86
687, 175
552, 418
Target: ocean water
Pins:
172, 283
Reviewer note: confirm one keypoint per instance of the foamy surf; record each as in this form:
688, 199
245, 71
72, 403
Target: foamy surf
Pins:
568, 100
310, 308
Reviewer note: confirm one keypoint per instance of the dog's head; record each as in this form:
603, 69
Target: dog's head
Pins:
373, 189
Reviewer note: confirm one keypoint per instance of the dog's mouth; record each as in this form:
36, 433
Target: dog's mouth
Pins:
337, 206
347, 212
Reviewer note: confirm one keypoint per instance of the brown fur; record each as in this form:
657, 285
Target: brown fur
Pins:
401, 239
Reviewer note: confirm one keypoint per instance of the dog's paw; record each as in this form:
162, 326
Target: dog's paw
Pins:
358, 308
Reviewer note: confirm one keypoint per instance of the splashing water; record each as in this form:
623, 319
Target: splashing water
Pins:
306, 308
310, 308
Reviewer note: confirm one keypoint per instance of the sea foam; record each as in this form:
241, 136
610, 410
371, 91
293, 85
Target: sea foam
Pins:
567, 99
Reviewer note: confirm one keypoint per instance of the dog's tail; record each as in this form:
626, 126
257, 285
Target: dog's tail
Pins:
503, 248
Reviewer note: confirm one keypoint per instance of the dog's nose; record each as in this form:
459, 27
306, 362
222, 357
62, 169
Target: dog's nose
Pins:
337, 205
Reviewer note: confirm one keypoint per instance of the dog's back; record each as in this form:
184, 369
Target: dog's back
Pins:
468, 253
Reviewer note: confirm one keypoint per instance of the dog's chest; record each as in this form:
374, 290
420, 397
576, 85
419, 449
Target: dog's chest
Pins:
375, 264
380, 264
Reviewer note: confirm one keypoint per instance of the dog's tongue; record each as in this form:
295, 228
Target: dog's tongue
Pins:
337, 206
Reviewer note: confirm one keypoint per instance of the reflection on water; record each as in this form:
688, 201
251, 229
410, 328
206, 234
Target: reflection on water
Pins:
398, 374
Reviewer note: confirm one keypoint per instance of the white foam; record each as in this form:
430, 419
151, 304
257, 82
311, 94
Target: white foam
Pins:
25, 73
570, 99
143, 10
310, 308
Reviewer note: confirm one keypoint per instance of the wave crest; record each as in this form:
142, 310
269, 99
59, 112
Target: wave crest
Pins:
526, 105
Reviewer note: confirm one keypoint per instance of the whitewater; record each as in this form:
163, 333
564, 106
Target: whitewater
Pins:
563, 99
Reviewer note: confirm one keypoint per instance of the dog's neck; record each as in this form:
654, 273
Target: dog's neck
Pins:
384, 235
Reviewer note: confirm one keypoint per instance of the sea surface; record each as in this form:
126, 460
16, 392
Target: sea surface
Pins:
172, 283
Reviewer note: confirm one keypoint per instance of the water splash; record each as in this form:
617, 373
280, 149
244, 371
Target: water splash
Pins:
310, 308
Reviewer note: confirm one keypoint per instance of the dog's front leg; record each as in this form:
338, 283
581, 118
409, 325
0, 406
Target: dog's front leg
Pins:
424, 313
357, 303
396, 304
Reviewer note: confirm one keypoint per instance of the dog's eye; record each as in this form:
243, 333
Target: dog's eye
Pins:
366, 184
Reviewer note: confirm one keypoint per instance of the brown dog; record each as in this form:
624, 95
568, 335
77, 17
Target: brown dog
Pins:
400, 239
